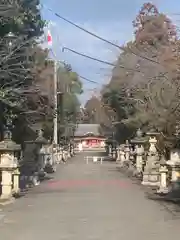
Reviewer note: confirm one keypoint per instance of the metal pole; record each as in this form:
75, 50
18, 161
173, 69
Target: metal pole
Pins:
55, 135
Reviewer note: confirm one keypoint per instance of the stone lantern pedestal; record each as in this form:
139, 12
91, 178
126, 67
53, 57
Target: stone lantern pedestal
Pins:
174, 187
118, 154
55, 154
122, 156
16, 179
114, 154
163, 170
107, 148
7, 179
60, 154
139, 142
113, 149
9, 167
50, 166
64, 155
151, 176
69, 151
127, 151
174, 164
40, 142
36, 165
110, 151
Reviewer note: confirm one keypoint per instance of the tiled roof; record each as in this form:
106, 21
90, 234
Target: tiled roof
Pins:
84, 129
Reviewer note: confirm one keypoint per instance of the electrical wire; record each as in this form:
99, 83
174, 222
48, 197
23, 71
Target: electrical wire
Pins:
90, 57
97, 36
62, 62
98, 60
87, 56
83, 29
88, 80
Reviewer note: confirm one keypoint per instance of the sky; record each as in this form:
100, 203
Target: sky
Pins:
111, 20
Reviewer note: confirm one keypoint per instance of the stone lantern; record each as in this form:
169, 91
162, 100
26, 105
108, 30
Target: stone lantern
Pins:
9, 166
151, 171
40, 142
139, 142
34, 159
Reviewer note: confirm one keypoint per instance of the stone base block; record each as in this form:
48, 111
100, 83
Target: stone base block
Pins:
163, 190
151, 179
5, 201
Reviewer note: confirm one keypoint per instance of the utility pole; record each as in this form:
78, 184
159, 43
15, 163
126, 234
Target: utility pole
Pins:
55, 133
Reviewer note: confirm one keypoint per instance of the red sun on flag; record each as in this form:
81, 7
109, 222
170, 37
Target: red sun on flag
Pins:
49, 38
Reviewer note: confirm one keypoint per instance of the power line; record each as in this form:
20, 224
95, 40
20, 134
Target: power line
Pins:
103, 39
88, 80
94, 59
99, 37
98, 60
87, 56
83, 29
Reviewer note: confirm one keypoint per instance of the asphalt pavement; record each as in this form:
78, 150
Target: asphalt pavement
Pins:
87, 201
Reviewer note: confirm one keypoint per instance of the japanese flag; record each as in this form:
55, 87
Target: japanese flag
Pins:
49, 38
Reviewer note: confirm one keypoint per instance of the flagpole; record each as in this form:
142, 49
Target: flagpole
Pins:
55, 116
55, 133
